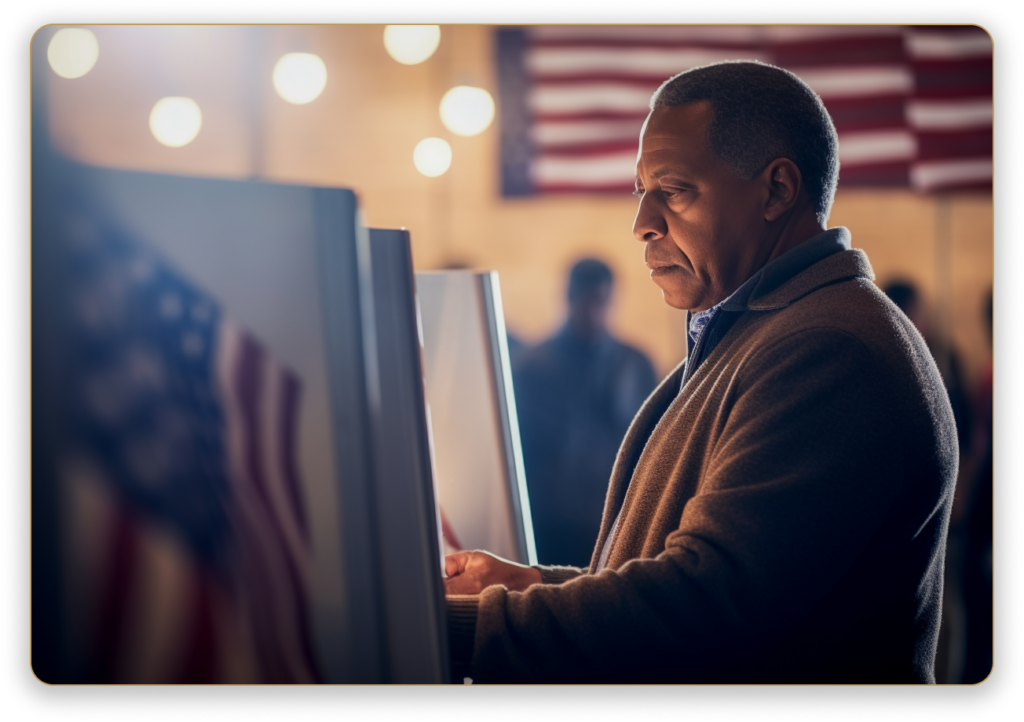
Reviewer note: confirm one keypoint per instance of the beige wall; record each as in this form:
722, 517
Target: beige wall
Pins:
361, 133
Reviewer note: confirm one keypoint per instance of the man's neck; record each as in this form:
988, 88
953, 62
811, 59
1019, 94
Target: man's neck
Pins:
795, 228
784, 235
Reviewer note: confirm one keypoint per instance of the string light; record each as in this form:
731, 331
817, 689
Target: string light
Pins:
411, 44
432, 157
467, 111
72, 52
175, 121
300, 77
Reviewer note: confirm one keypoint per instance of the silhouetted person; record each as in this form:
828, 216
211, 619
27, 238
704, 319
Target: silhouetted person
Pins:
576, 394
951, 654
975, 526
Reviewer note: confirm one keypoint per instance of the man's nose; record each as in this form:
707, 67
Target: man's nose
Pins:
649, 224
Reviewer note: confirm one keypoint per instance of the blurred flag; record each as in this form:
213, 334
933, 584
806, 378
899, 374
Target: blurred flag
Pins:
449, 542
912, 104
186, 548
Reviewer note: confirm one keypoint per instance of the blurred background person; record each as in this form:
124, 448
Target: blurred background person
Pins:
576, 394
951, 654
972, 522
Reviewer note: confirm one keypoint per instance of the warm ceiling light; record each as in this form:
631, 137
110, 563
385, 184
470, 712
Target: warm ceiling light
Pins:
175, 121
411, 44
432, 156
300, 77
467, 111
72, 52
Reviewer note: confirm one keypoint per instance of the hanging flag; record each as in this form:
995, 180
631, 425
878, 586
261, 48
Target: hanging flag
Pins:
186, 550
912, 104
449, 542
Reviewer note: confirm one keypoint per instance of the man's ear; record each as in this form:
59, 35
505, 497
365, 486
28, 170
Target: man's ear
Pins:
784, 185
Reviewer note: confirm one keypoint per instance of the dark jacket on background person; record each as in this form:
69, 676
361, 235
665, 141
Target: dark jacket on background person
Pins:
781, 519
575, 399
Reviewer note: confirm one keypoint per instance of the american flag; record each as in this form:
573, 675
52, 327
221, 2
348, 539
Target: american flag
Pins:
186, 548
912, 104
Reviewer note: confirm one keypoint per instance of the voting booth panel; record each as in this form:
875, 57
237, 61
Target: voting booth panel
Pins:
204, 418
408, 523
477, 457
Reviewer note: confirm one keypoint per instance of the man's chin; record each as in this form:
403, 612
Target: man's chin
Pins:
676, 297
677, 300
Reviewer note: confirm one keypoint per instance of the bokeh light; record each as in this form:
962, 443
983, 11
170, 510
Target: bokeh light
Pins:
411, 44
175, 121
432, 156
72, 52
300, 77
466, 110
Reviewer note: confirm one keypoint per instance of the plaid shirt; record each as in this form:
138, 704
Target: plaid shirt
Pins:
699, 320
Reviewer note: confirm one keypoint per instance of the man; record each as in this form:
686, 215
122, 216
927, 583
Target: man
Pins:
576, 394
905, 295
778, 509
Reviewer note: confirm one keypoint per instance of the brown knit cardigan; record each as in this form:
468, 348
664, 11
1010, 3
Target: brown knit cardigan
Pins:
783, 518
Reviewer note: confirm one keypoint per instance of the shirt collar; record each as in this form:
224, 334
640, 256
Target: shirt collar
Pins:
699, 320
790, 264
792, 261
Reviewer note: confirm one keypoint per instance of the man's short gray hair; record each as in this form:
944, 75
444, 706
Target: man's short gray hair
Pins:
760, 113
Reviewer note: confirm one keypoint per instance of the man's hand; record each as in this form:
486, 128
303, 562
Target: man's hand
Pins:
471, 572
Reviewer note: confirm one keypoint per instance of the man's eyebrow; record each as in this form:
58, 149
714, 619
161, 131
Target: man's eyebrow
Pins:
664, 172
655, 175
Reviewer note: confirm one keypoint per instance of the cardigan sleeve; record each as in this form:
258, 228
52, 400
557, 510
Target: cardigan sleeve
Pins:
804, 470
557, 574
462, 611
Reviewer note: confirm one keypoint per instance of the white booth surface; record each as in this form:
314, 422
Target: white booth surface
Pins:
477, 459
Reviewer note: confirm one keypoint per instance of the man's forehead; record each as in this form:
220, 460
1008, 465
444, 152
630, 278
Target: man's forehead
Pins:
675, 127
676, 121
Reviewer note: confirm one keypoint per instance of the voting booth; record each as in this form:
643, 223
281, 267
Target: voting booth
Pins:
213, 472
234, 476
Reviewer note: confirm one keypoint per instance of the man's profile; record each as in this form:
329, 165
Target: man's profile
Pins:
778, 509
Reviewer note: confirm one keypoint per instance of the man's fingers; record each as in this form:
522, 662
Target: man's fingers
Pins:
455, 564
462, 584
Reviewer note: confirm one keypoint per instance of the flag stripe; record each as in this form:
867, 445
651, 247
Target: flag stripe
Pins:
948, 174
858, 81
884, 111
590, 97
116, 596
877, 146
640, 61
949, 43
275, 598
857, 50
448, 534
280, 582
200, 662
949, 114
289, 425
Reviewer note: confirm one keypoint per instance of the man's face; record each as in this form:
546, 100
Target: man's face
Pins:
701, 223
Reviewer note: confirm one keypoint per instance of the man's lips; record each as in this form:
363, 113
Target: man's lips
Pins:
662, 269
